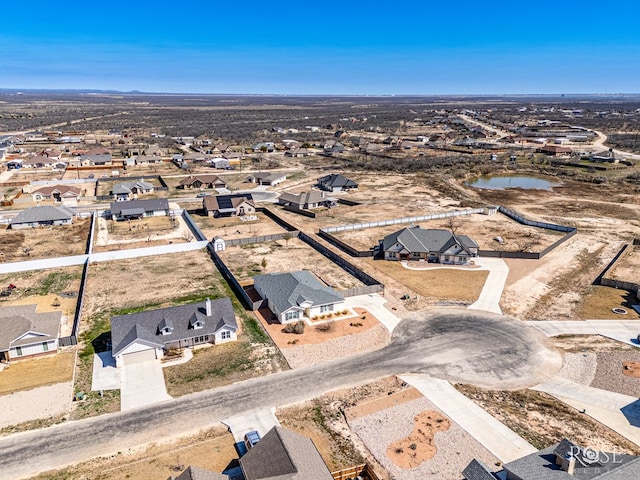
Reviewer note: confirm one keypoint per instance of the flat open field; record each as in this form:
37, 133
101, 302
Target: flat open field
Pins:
599, 302
37, 372
233, 227
481, 228
150, 281
45, 242
281, 256
441, 284
147, 232
212, 450
628, 266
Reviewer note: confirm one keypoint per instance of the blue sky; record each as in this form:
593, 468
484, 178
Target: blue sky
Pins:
349, 47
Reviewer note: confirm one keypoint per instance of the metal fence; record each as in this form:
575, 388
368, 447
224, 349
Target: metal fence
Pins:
355, 291
532, 223
232, 281
188, 219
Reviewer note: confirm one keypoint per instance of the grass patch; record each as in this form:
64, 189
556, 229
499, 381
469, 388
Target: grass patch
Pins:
599, 300
37, 372
442, 283
33, 425
54, 282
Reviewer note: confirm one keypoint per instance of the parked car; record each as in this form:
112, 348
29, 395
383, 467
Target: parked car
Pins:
251, 438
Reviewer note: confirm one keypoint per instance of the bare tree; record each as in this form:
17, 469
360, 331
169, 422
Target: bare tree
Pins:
453, 223
286, 237
187, 236
27, 250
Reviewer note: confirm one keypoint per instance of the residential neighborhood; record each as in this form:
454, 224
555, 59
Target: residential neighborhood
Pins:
319, 288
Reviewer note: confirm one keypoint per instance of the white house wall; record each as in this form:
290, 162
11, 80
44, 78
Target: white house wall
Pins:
315, 310
34, 349
219, 339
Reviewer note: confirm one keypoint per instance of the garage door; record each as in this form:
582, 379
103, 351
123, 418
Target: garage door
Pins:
139, 357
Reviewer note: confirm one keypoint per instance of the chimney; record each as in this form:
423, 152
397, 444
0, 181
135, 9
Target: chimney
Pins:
207, 307
569, 464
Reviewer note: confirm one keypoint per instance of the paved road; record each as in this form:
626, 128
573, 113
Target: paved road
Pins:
454, 344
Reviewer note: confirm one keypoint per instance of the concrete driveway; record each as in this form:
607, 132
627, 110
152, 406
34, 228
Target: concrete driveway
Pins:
621, 330
142, 384
499, 439
261, 420
619, 412
375, 304
489, 299
105, 374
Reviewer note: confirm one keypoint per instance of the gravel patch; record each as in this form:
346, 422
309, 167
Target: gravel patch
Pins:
579, 367
455, 447
609, 374
35, 404
339, 347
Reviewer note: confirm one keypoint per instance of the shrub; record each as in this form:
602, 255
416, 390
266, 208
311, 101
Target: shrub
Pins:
325, 327
344, 312
298, 328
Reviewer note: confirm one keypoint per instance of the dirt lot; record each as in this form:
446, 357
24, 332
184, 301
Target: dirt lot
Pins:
45, 242
213, 450
628, 266
146, 232
481, 228
233, 227
281, 256
445, 284
37, 372
150, 281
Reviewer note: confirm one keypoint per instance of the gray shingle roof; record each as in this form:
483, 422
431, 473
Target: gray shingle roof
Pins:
126, 187
336, 180
416, 239
286, 290
17, 320
541, 466
477, 470
304, 198
148, 205
195, 473
284, 455
226, 202
145, 327
43, 214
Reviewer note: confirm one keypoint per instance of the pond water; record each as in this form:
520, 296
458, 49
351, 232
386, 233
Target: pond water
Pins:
502, 182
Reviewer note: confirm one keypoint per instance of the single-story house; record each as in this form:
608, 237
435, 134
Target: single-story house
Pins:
336, 182
25, 333
130, 190
267, 178
563, 460
219, 162
291, 296
38, 161
237, 204
154, 151
284, 455
306, 200
432, 245
65, 194
202, 181
134, 209
297, 152
42, 216
148, 334
555, 150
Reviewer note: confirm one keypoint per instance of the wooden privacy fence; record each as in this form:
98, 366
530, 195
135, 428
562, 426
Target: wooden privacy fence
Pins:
351, 473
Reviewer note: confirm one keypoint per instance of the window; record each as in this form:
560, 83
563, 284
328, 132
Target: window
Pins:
326, 308
225, 335
202, 339
292, 315
19, 351
45, 347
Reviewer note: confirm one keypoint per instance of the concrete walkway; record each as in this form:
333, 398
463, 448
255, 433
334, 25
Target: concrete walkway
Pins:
375, 304
625, 331
619, 412
501, 441
142, 384
489, 299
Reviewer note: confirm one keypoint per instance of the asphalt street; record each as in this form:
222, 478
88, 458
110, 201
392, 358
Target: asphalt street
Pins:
475, 347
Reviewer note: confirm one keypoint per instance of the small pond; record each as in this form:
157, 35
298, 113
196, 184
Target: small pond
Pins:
502, 182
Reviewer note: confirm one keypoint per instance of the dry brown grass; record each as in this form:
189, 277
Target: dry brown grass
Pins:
37, 372
45, 242
442, 283
233, 227
599, 301
213, 450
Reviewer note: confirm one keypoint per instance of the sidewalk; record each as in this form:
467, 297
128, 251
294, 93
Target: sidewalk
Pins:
601, 405
501, 441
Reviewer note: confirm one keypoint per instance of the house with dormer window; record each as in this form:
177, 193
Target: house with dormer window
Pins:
293, 296
151, 333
